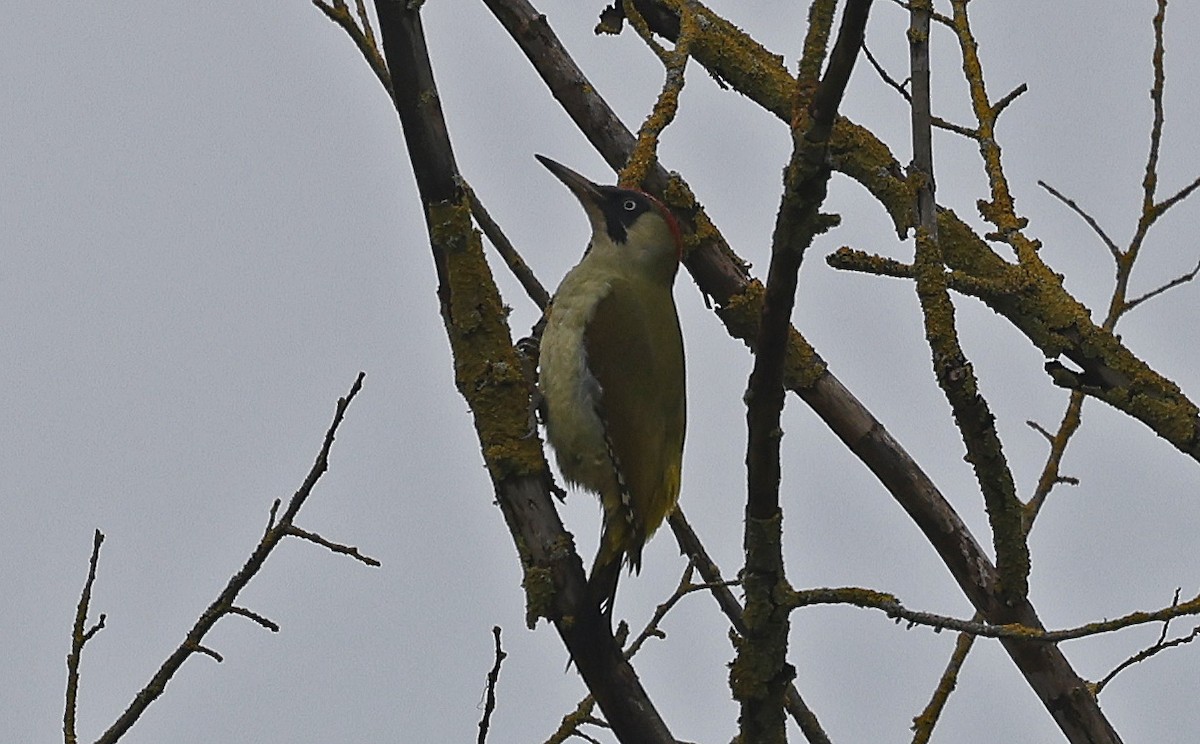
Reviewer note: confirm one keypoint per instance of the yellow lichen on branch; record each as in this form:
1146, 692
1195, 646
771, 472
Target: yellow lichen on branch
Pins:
486, 367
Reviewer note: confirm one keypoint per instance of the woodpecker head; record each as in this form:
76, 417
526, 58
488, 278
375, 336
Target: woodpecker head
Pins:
629, 227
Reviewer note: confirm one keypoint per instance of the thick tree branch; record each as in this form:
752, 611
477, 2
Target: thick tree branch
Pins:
690, 545
955, 374
1124, 261
490, 376
1033, 297
760, 674
721, 275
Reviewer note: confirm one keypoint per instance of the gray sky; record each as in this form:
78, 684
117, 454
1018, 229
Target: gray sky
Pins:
209, 226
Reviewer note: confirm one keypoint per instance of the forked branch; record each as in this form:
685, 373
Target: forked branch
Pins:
193, 642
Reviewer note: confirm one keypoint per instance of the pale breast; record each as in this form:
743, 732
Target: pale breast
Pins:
570, 391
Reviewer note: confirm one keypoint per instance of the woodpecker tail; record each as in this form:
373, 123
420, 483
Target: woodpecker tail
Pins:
602, 584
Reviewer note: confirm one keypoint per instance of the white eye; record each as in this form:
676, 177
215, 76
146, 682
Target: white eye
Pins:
629, 205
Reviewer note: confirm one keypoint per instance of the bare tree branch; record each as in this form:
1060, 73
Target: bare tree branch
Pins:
360, 33
721, 275
999, 106
80, 635
224, 603
760, 674
924, 723
893, 608
937, 121
1089, 219
1051, 474
1162, 644
491, 378
349, 550
493, 677
1181, 279
1185, 192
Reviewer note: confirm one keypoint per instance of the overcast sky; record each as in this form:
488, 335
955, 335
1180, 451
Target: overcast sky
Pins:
209, 227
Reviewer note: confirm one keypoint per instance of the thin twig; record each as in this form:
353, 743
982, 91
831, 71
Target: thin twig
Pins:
666, 105
999, 106
490, 694
1181, 279
569, 726
512, 258
1051, 474
260, 619
893, 608
79, 638
937, 121
1040, 430
1089, 219
363, 38
923, 724
1150, 212
1150, 181
1162, 644
887, 78
224, 603
1179, 196
349, 550
685, 587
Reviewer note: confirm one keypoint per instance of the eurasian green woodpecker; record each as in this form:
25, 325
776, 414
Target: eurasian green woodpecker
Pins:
612, 373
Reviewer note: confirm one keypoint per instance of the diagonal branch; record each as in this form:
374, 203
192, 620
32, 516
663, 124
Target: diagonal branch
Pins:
80, 635
923, 724
1162, 644
721, 275
1185, 192
224, 603
360, 33
760, 673
490, 377
1089, 219
955, 374
937, 121
1181, 279
1036, 302
689, 545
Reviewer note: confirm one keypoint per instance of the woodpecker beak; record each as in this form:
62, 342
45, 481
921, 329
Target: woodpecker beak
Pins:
584, 190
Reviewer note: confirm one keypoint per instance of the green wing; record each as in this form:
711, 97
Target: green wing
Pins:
635, 352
